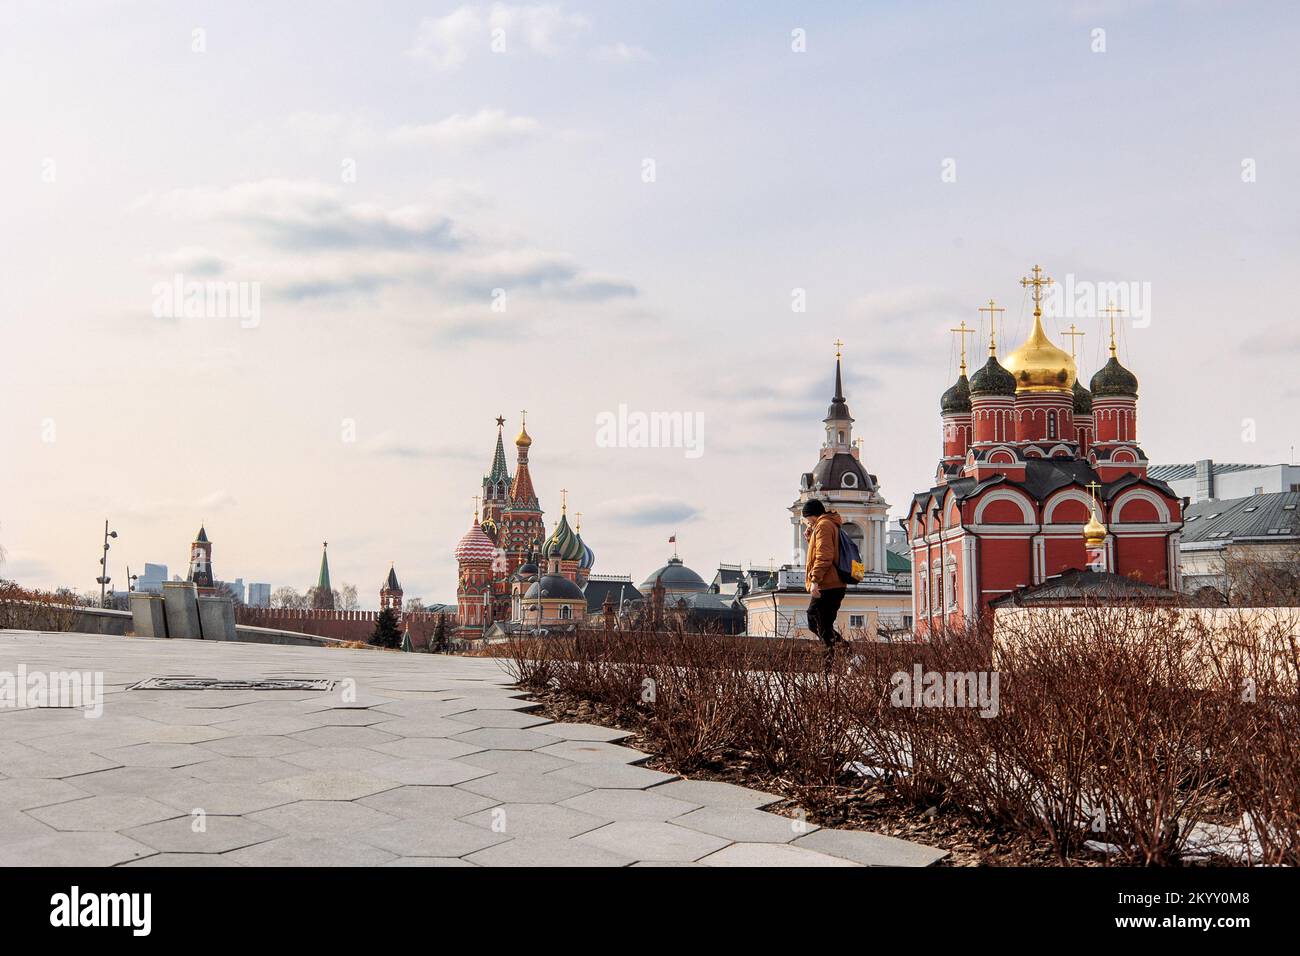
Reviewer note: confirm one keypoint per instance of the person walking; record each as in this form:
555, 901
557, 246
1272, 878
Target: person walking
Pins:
822, 577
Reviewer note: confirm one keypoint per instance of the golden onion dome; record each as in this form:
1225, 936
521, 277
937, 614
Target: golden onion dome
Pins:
1094, 532
1039, 366
523, 440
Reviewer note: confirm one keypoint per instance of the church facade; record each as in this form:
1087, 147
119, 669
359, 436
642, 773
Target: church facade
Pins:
880, 603
511, 574
1031, 458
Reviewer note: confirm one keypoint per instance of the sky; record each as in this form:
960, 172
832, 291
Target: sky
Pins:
436, 213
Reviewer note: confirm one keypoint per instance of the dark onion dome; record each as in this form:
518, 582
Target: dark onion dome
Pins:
675, 576
555, 587
957, 398
564, 542
529, 568
1114, 379
993, 379
1082, 399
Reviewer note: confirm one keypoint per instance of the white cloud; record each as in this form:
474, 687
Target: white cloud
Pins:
621, 53
448, 42
487, 127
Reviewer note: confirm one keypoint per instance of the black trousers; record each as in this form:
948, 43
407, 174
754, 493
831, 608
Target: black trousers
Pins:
822, 611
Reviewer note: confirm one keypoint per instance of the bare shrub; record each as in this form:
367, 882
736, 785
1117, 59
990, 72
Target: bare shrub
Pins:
32, 610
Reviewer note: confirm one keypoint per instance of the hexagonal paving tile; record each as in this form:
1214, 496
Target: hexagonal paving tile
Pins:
56, 766
255, 745
427, 861
183, 859
535, 821
332, 785
431, 837
496, 738
218, 835
73, 849
421, 727
870, 849
429, 747
265, 725
509, 787
243, 769
771, 854
310, 851
744, 825
713, 793
222, 799
114, 811
24, 793
156, 755
329, 818
338, 758
629, 805
612, 776
342, 736
547, 852
514, 719
593, 751
422, 802
651, 840
429, 771
586, 732
520, 761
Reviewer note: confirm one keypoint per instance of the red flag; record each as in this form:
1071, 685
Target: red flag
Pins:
673, 539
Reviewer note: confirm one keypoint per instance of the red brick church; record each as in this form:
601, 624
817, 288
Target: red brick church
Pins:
1030, 457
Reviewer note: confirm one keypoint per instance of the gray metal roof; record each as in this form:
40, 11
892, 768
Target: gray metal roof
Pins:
1180, 472
1270, 516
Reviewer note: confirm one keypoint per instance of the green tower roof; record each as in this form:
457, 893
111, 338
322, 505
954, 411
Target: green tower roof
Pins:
323, 582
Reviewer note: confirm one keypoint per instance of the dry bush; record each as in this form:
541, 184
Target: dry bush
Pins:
1123, 725
30, 610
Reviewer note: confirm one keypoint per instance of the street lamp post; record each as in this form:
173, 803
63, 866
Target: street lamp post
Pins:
103, 578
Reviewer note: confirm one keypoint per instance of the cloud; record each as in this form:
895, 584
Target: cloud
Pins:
1275, 341
543, 29
316, 246
645, 510
487, 127
621, 53
189, 260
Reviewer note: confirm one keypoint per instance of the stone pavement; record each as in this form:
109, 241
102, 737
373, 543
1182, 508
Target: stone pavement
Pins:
409, 760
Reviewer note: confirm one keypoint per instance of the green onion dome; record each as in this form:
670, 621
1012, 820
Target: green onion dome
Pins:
1114, 379
957, 399
993, 379
564, 542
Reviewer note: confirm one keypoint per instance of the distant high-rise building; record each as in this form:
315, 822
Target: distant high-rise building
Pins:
153, 578
259, 594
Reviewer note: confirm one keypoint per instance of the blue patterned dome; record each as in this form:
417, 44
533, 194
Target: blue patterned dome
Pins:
588, 559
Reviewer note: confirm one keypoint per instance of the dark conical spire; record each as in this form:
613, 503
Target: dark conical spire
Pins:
391, 584
500, 472
202, 536
839, 408
323, 581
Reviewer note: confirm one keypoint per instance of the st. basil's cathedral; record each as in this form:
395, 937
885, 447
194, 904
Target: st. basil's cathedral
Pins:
511, 573
1039, 476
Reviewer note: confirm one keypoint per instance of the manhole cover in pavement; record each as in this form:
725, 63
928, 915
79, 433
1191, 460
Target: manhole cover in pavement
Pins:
218, 683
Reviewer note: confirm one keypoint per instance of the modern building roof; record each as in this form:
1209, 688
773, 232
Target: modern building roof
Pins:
1181, 472
1268, 517
617, 589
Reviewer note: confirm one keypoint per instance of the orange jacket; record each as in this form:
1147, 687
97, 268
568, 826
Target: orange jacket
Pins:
823, 551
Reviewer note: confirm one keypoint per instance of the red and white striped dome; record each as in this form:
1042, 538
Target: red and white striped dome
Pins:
475, 545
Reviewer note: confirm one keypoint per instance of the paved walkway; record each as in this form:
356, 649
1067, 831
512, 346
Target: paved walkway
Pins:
409, 760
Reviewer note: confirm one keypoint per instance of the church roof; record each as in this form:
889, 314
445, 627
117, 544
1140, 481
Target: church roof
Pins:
555, 587
830, 472
1114, 379
839, 408
992, 379
1082, 399
474, 545
323, 579
564, 542
390, 583
1080, 586
957, 398
675, 576
499, 470
598, 589
202, 536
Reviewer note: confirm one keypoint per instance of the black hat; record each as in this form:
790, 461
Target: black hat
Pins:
813, 507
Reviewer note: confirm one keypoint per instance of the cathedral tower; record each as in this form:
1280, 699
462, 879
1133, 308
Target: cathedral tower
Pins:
1045, 377
523, 529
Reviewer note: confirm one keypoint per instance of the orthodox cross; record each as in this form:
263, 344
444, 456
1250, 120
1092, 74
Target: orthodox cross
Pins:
839, 348
1110, 312
579, 529
564, 501
1093, 488
1073, 335
476, 507
963, 332
993, 311
1036, 280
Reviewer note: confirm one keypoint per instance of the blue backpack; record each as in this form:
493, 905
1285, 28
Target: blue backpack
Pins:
849, 560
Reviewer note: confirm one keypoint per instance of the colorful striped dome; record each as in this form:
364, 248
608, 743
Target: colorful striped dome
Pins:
475, 545
588, 559
564, 542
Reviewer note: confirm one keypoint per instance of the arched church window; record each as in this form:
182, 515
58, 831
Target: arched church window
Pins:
566, 612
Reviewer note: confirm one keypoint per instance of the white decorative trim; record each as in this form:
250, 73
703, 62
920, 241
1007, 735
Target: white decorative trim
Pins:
1068, 494
1136, 494
1026, 507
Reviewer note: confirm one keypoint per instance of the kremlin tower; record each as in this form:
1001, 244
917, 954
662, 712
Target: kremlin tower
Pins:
200, 572
1038, 475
